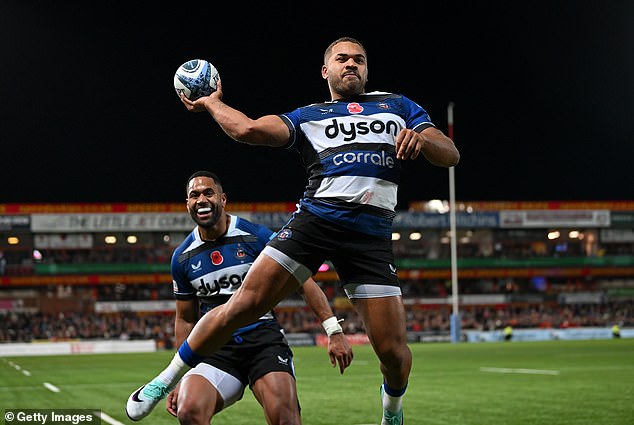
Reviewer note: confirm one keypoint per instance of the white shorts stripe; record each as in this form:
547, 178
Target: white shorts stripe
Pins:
299, 271
366, 290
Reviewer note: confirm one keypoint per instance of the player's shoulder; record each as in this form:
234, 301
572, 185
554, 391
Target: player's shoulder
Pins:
244, 225
382, 96
188, 244
364, 97
379, 95
189, 240
313, 107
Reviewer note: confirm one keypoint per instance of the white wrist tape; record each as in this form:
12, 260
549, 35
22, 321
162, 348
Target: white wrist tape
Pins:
331, 326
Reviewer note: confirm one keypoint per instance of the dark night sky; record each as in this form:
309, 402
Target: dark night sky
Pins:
543, 93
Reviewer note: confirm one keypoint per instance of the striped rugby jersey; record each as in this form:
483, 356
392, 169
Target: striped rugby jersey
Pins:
213, 270
348, 149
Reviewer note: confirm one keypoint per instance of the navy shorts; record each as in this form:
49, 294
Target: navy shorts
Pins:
358, 258
255, 353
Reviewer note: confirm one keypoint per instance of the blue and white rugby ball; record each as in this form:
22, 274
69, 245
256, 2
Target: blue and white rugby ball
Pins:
196, 78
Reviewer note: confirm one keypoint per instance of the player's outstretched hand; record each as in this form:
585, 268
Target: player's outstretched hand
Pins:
198, 105
340, 351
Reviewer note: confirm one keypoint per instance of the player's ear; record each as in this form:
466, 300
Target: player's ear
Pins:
324, 72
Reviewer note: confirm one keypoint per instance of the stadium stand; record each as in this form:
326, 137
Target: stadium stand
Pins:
92, 271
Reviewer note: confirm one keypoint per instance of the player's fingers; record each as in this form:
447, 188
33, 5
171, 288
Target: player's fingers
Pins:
402, 146
411, 145
333, 359
171, 405
188, 103
415, 151
344, 362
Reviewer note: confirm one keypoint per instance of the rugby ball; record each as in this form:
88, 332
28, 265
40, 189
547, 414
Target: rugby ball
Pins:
196, 78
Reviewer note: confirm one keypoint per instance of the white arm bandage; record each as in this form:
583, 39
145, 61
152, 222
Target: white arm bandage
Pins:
331, 326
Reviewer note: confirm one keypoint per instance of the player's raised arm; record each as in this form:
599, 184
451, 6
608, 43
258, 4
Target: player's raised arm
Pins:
268, 130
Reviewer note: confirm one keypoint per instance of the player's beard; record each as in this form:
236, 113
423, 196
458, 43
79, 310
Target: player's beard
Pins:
211, 221
347, 89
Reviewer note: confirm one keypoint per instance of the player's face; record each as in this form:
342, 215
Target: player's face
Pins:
346, 70
205, 201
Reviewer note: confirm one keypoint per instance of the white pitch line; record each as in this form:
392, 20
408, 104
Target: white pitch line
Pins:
18, 368
109, 419
526, 371
51, 387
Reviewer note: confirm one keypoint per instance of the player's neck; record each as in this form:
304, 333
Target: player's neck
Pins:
216, 232
339, 97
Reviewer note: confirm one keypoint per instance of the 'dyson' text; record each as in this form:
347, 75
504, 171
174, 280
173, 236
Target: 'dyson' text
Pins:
213, 288
351, 130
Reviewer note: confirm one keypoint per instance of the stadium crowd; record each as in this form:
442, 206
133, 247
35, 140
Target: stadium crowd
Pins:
27, 326
63, 326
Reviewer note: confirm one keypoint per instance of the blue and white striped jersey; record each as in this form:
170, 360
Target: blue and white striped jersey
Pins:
213, 270
348, 150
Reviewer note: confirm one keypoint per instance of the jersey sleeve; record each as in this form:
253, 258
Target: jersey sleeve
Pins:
416, 117
292, 120
182, 288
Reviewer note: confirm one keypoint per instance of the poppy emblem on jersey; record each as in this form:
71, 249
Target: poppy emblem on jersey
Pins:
355, 108
240, 253
216, 258
284, 234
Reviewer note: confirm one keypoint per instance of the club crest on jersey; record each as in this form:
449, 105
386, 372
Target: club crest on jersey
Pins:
284, 234
383, 105
355, 108
216, 258
240, 253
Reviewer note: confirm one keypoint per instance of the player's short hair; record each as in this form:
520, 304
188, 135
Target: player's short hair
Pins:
204, 173
328, 51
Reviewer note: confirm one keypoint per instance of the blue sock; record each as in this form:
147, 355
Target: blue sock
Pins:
392, 392
188, 356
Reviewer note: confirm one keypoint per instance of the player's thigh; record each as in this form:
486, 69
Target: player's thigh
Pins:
384, 321
265, 285
220, 388
197, 396
276, 391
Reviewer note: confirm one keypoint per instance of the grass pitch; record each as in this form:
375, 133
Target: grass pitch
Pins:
514, 383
